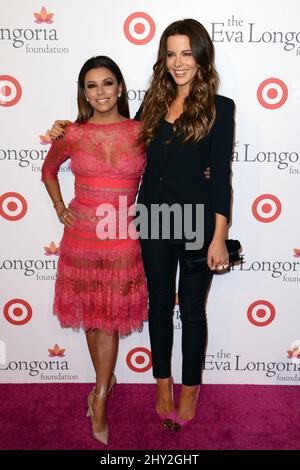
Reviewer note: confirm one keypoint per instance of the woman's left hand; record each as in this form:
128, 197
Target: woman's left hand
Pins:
217, 256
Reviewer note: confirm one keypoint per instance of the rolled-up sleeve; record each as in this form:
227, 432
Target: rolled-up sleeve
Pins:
220, 158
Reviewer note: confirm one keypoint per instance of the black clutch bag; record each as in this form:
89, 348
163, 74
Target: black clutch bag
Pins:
196, 260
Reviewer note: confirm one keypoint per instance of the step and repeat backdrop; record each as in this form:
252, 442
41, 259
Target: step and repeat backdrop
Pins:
253, 311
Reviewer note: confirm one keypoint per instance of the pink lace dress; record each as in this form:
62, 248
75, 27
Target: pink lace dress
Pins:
100, 276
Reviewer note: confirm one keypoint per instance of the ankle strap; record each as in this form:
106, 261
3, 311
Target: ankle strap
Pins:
104, 394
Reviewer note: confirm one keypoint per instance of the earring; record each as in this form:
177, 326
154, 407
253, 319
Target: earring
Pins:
119, 94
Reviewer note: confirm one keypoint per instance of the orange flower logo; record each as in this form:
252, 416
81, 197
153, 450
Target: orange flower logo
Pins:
51, 250
43, 16
56, 351
297, 252
45, 139
294, 353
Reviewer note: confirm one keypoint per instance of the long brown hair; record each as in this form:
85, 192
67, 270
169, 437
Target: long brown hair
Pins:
85, 110
198, 109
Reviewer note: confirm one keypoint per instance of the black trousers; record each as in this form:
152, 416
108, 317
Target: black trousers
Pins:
161, 261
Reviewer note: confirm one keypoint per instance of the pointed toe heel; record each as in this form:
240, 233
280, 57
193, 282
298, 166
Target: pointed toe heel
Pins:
103, 435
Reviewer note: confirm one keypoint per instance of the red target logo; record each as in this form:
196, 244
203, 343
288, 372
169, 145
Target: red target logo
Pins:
13, 206
261, 313
272, 93
139, 359
10, 91
139, 28
266, 208
17, 312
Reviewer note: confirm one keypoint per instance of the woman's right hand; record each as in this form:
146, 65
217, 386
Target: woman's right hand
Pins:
207, 173
66, 216
57, 130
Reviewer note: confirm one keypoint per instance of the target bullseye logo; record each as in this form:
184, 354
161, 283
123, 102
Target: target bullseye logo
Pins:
13, 206
17, 311
272, 93
139, 28
10, 91
266, 208
261, 313
139, 359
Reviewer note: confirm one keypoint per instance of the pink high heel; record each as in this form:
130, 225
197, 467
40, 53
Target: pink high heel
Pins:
179, 423
168, 418
103, 435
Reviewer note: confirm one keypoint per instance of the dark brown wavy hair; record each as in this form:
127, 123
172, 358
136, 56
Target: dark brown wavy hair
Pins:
198, 110
85, 110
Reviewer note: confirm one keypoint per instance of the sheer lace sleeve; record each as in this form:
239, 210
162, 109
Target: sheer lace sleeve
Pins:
59, 152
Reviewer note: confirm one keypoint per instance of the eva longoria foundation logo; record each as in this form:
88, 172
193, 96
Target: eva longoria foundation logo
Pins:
297, 252
226, 362
294, 352
56, 351
239, 31
42, 269
43, 16
287, 270
35, 40
286, 161
47, 371
52, 249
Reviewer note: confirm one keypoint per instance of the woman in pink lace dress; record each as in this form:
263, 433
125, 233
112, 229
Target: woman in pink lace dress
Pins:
100, 283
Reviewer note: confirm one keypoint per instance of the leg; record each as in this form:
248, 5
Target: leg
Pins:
193, 290
103, 350
160, 262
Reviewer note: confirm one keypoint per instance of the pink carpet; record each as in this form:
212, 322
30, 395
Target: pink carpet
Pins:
232, 417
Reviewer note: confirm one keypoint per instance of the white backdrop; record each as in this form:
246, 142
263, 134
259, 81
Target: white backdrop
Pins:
253, 312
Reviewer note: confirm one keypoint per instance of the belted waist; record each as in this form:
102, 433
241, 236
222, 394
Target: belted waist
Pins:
107, 182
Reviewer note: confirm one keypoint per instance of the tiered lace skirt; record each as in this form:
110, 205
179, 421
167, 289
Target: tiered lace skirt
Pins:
100, 283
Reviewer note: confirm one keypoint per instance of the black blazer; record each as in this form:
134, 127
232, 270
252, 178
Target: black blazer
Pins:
174, 171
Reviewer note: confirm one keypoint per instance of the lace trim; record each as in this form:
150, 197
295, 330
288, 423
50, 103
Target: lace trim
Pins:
127, 261
94, 285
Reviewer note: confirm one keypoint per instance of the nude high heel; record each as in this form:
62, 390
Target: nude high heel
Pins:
103, 435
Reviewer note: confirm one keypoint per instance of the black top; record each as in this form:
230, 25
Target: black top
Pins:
175, 171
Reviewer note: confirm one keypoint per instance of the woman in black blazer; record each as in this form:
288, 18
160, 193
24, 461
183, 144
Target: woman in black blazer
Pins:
186, 127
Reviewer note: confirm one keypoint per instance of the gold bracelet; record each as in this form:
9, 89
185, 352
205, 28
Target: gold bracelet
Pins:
56, 202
